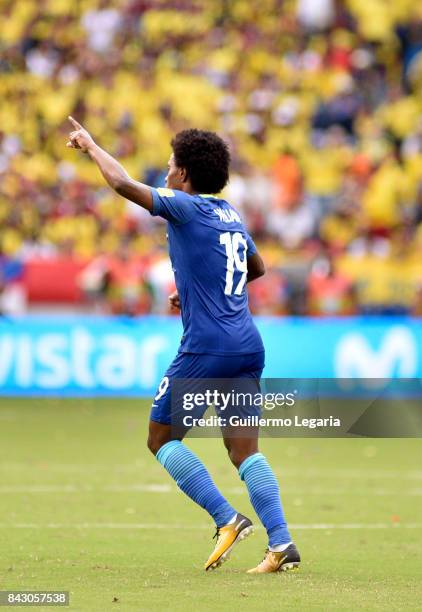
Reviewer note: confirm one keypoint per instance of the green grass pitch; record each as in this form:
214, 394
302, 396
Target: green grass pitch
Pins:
84, 507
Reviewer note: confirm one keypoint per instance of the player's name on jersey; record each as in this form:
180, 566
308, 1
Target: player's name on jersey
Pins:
227, 215
256, 421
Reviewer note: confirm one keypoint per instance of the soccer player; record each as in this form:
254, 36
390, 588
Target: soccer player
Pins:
213, 258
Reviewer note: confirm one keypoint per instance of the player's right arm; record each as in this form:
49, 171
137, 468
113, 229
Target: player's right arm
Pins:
113, 172
256, 267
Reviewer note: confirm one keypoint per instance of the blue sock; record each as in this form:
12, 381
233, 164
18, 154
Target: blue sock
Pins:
193, 479
265, 497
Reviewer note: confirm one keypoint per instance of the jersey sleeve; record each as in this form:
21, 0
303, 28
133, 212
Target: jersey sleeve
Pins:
251, 246
175, 206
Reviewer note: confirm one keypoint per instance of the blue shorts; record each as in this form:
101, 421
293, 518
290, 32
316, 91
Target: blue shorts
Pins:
200, 366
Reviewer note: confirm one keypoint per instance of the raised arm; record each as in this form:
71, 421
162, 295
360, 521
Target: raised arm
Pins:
113, 172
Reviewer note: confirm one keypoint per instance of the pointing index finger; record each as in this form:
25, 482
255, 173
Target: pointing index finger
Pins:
75, 124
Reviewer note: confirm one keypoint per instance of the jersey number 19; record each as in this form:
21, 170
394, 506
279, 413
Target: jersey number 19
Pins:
233, 243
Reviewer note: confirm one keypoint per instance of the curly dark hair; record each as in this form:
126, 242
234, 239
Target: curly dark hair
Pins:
205, 157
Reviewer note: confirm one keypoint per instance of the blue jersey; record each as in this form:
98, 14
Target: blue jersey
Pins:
209, 247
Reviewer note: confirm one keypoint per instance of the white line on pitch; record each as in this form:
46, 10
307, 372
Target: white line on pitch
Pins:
136, 467
71, 488
166, 488
136, 526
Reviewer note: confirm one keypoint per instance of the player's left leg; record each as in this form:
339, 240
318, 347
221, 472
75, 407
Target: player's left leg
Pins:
189, 473
185, 467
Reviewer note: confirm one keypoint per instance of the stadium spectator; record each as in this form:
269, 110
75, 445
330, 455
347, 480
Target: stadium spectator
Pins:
330, 293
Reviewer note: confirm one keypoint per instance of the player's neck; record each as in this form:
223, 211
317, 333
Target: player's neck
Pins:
187, 188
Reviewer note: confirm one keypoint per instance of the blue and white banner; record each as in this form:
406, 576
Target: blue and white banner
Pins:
123, 356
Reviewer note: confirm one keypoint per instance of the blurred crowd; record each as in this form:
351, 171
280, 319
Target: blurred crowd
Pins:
320, 101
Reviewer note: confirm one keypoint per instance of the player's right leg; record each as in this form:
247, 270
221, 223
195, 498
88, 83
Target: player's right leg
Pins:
264, 494
186, 469
255, 471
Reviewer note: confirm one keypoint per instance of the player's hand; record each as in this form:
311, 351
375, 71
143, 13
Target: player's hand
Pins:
80, 138
174, 300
